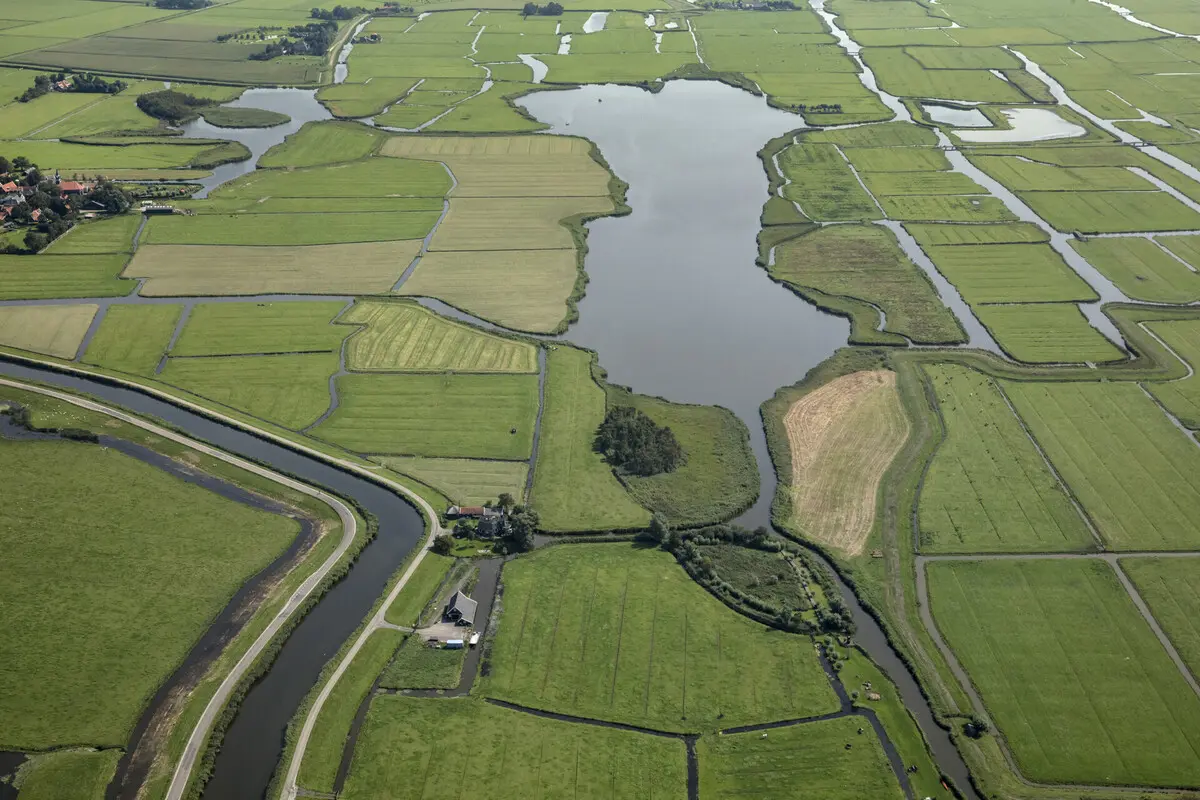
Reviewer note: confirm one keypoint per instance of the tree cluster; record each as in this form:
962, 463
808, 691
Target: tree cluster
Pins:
172, 106
55, 214
87, 83
182, 5
636, 444
820, 108
313, 39
551, 9
392, 10
41, 85
337, 13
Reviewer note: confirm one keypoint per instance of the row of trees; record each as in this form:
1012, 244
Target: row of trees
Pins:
636, 444
337, 13
551, 9
182, 5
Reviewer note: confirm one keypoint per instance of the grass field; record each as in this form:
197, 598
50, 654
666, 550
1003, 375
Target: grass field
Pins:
1171, 587
133, 338
363, 99
988, 489
405, 336
824, 185
416, 666
230, 117
865, 262
1112, 212
527, 223
416, 594
1141, 269
230, 329
182, 270
1071, 673
886, 184
1181, 397
718, 478
573, 488
1009, 273
636, 640
525, 290
826, 759
52, 330
45, 276
1046, 333
320, 143
515, 755
1130, 467
945, 208
80, 774
934, 233
455, 416
113, 235
468, 482
291, 390
78, 536
366, 177
842, 437
289, 229
1186, 247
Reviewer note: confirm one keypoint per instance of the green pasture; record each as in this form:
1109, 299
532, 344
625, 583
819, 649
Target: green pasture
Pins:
718, 478
1186, 247
824, 185
573, 488
151, 576
1112, 212
133, 338
373, 177
897, 159
988, 490
1181, 397
465, 481
290, 390
408, 116
865, 262
110, 115
1046, 333
408, 337
1171, 587
920, 183
45, 276
112, 235
1131, 468
490, 112
91, 158
1010, 273
515, 755
418, 592
79, 774
447, 415
620, 632
234, 117
232, 329
899, 73
23, 119
946, 208
1069, 671
889, 134
290, 229
1023, 175
319, 143
1141, 269
935, 233
828, 759
363, 99
417, 666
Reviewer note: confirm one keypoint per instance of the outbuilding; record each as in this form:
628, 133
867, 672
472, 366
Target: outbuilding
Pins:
461, 609
454, 644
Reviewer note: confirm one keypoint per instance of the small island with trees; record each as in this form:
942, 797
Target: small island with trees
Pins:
634, 444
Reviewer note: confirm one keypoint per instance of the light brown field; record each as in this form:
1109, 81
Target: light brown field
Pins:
360, 268
525, 290
510, 166
843, 436
52, 330
529, 223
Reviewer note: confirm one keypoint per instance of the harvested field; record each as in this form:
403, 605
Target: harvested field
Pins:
52, 330
407, 337
531, 223
361, 268
46, 276
843, 436
133, 338
525, 290
466, 481
289, 229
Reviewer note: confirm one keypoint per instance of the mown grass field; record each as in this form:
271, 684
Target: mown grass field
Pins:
229, 329
80, 774
1110, 212
1046, 333
52, 330
133, 338
78, 535
527, 223
456, 416
1141, 269
1070, 672
988, 489
573, 488
1181, 397
1130, 467
291, 390
935, 233
1009, 273
820, 759
618, 632
416, 594
946, 208
365, 177
183, 270
525, 290
515, 755
416, 666
468, 482
45, 276
1171, 587
320, 143
289, 229
113, 235
824, 185
363, 99
408, 337
865, 262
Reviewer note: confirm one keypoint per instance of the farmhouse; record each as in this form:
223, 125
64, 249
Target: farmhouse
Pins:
479, 512
72, 187
461, 609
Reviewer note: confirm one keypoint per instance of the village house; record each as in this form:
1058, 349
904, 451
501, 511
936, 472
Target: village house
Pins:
461, 609
474, 512
8, 187
72, 187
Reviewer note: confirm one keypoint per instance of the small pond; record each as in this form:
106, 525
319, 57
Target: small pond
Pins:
1026, 125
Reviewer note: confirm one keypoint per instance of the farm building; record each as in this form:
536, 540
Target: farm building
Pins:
461, 609
471, 511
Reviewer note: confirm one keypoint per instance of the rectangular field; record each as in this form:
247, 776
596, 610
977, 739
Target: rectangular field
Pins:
614, 632
45, 276
988, 489
1131, 468
1141, 269
114, 235
133, 338
528, 223
824, 184
515, 755
52, 330
231, 329
573, 488
290, 229
1171, 587
1181, 397
1010, 273
1112, 212
447, 415
1046, 333
1070, 672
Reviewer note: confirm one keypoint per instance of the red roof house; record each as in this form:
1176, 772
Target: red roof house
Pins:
8, 187
72, 187
36, 215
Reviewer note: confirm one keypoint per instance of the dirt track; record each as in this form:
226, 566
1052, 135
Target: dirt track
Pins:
843, 436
